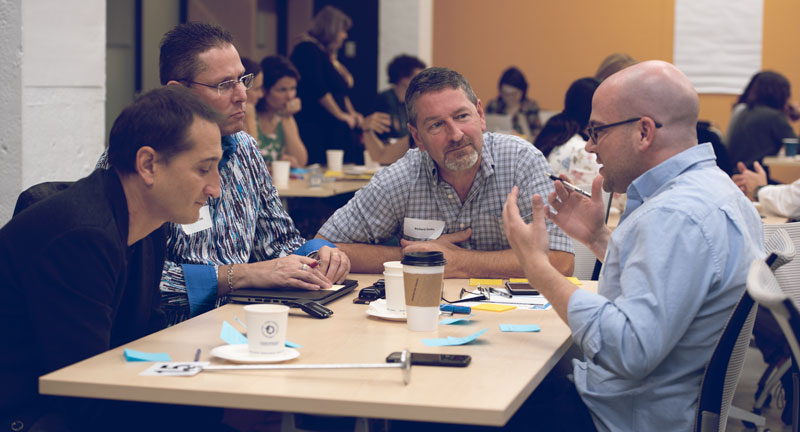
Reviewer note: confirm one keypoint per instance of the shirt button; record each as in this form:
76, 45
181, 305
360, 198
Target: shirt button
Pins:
450, 196
461, 225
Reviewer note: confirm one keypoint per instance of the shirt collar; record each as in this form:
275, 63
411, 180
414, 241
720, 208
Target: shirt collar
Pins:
228, 148
487, 161
651, 182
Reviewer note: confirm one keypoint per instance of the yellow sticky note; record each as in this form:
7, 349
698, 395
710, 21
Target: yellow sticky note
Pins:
476, 282
574, 280
333, 173
518, 280
493, 307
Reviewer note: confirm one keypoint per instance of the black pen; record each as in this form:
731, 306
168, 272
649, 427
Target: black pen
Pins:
570, 186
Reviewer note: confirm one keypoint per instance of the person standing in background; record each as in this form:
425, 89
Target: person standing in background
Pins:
513, 100
328, 117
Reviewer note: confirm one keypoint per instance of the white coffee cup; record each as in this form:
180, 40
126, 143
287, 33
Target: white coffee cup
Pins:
395, 292
422, 282
266, 328
335, 159
280, 173
368, 162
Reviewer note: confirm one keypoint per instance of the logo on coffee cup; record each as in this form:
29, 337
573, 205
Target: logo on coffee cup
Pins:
269, 329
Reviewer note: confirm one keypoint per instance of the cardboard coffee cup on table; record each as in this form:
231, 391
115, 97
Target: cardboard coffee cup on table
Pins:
423, 273
395, 291
266, 328
790, 146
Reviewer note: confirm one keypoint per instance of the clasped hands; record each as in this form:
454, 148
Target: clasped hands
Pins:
298, 271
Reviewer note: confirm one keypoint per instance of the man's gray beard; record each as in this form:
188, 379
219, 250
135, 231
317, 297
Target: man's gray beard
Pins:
462, 163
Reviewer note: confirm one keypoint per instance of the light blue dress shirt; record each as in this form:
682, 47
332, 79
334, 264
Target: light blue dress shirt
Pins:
674, 268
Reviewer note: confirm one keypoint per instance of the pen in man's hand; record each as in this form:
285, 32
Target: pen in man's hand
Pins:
570, 186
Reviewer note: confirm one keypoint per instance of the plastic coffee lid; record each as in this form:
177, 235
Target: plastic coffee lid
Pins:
424, 259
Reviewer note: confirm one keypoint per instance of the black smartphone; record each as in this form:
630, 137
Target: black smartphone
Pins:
426, 359
520, 289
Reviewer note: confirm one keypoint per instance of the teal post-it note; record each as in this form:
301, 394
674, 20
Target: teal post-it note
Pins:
519, 327
458, 321
230, 335
290, 344
451, 341
141, 356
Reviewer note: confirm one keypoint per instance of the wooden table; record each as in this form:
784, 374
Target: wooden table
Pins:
299, 188
505, 367
783, 169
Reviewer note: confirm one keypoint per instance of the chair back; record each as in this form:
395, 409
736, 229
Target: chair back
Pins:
788, 275
38, 192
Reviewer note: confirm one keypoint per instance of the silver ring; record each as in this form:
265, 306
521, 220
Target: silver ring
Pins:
305, 267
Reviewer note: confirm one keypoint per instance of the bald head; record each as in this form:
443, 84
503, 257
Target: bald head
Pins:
660, 91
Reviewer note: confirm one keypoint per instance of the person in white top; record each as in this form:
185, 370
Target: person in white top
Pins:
783, 200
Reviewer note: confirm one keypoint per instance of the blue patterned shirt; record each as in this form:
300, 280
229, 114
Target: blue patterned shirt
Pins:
674, 268
249, 224
411, 188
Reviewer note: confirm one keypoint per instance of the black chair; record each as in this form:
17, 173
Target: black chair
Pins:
38, 192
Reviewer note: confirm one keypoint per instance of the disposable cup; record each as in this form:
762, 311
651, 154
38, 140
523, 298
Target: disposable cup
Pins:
790, 145
368, 162
395, 292
423, 274
280, 173
266, 328
335, 159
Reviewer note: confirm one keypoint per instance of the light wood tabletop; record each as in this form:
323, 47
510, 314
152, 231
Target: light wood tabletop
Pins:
299, 188
505, 367
783, 169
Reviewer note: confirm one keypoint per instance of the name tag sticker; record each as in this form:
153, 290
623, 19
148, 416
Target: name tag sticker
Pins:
203, 223
422, 229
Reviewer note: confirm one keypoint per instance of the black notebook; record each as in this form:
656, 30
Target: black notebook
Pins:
289, 295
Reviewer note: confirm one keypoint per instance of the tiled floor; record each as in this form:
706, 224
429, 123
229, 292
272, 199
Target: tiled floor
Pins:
753, 368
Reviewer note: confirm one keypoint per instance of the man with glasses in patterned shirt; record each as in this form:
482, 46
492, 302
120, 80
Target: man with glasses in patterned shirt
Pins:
673, 269
448, 194
244, 238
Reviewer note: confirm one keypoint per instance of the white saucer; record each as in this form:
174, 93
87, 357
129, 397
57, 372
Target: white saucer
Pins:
378, 309
240, 353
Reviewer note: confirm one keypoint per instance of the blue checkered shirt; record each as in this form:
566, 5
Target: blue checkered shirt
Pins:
411, 188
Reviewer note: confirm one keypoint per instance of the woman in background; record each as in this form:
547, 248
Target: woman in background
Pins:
759, 129
328, 117
277, 132
513, 100
254, 94
563, 139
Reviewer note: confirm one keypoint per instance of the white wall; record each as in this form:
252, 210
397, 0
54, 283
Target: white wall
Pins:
405, 27
10, 102
62, 100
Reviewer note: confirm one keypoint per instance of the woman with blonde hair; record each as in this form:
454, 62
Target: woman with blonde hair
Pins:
328, 117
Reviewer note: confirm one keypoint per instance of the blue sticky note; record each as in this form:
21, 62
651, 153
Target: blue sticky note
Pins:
450, 340
541, 307
459, 321
230, 335
289, 344
240, 322
134, 356
519, 327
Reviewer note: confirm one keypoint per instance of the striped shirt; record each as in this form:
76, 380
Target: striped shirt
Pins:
411, 188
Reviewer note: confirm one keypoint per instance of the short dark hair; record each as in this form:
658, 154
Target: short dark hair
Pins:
327, 23
160, 119
181, 46
403, 66
769, 89
433, 80
250, 66
274, 68
515, 78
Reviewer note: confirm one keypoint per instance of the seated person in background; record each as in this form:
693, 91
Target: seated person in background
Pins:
612, 64
782, 200
278, 137
562, 140
674, 267
513, 100
245, 238
448, 194
81, 268
760, 128
386, 135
